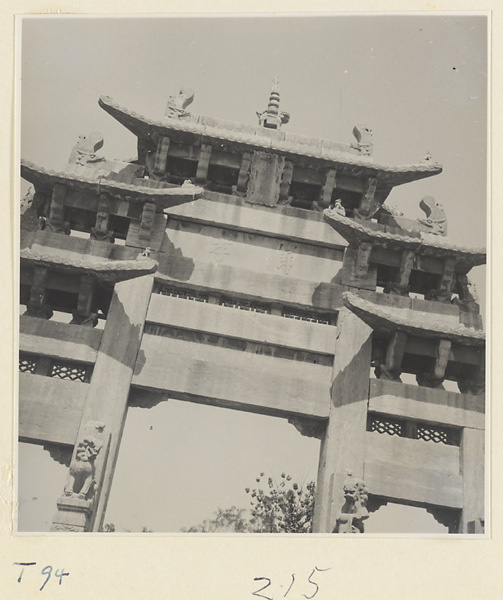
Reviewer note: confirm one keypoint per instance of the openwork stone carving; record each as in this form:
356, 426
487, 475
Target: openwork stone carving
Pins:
175, 108
436, 219
81, 480
354, 510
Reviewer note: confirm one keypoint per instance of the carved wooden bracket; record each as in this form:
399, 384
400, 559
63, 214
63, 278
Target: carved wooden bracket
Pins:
55, 221
36, 306
362, 261
161, 158
445, 289
286, 180
447, 517
308, 427
368, 205
100, 230
401, 285
203, 164
328, 188
61, 454
244, 173
146, 223
83, 314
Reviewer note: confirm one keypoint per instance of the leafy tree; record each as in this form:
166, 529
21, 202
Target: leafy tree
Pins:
229, 520
282, 508
286, 507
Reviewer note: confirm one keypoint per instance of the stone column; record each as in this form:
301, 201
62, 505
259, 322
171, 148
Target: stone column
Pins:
343, 446
106, 401
472, 469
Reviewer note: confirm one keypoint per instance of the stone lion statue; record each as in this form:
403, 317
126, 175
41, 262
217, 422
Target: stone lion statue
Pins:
354, 510
81, 477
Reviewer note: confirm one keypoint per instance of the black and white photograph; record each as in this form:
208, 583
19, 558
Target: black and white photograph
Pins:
252, 276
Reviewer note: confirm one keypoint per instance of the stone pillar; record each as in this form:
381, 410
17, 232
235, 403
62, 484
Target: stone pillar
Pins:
108, 392
472, 469
343, 446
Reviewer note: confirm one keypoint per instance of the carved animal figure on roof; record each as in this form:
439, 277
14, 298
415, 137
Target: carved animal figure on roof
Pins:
354, 510
364, 138
84, 151
175, 108
436, 219
338, 208
81, 477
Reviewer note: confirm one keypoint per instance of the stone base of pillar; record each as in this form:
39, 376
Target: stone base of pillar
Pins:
73, 514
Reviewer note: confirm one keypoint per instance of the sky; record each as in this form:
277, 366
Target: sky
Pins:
419, 82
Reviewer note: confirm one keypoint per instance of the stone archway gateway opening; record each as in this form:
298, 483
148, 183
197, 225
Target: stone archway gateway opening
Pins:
247, 280
202, 458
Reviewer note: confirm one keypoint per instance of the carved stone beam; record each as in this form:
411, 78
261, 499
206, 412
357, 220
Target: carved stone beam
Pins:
161, 158
368, 205
286, 180
362, 260
445, 289
83, 314
55, 222
203, 164
36, 306
146, 224
327, 189
100, 230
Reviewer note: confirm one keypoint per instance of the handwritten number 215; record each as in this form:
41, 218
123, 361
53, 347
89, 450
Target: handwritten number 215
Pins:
256, 593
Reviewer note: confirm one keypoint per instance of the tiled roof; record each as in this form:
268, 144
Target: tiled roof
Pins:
417, 323
163, 197
272, 140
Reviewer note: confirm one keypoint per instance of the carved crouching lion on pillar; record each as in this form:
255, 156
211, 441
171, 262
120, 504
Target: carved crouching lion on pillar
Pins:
354, 510
81, 480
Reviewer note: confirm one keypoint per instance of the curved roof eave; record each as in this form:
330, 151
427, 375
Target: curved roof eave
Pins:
144, 127
417, 323
165, 198
422, 243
